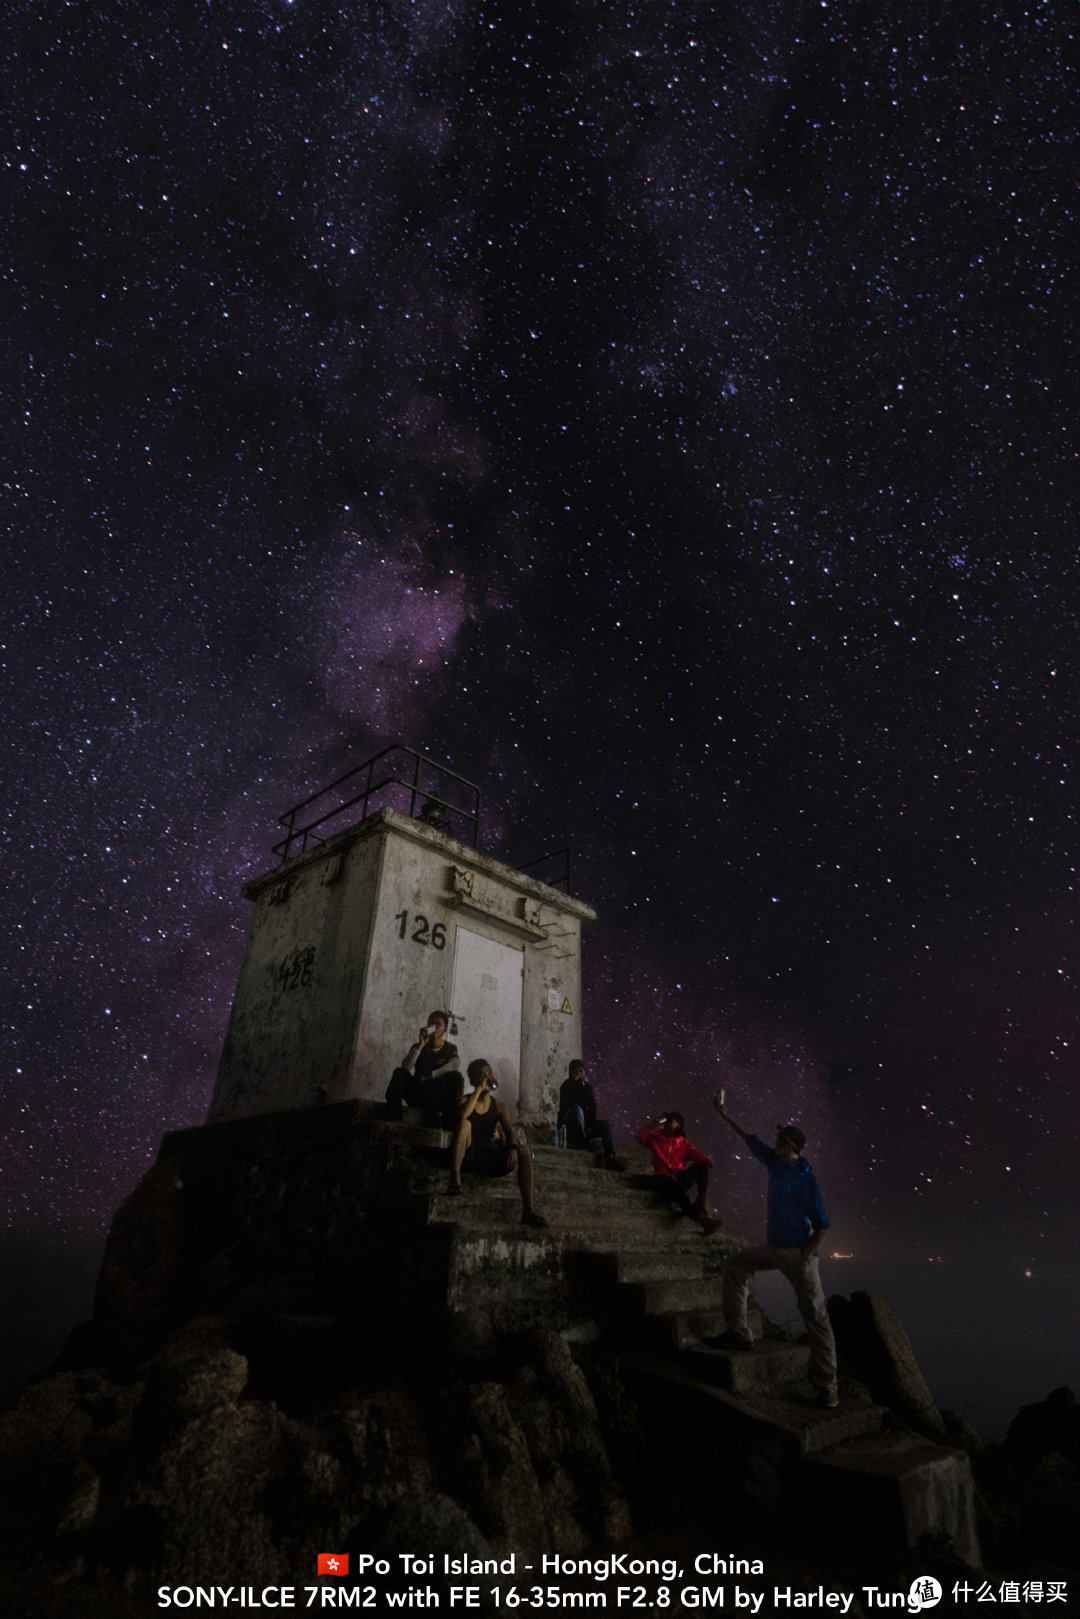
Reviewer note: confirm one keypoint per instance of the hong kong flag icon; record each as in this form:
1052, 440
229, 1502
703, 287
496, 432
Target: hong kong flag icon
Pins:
333, 1562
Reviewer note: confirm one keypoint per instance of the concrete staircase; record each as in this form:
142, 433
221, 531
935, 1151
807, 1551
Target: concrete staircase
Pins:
612, 1261
616, 1267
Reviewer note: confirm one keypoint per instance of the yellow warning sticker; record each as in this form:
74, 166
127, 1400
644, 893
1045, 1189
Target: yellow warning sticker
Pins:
565, 1007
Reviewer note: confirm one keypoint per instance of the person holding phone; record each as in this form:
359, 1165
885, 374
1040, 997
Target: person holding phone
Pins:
428, 1076
795, 1223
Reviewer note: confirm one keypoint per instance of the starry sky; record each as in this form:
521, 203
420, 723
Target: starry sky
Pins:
661, 413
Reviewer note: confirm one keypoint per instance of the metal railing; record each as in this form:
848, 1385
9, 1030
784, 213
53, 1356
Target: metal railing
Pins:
435, 809
562, 878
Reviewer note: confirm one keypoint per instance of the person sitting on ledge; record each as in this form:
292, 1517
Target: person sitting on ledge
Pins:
483, 1141
428, 1076
577, 1113
678, 1165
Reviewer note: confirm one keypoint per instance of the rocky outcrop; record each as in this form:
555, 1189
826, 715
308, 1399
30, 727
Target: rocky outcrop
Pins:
1050, 1427
300, 1344
176, 1474
875, 1349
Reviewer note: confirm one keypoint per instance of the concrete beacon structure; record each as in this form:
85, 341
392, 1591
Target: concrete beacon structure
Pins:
354, 941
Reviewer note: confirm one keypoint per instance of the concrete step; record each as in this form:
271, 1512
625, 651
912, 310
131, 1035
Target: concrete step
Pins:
486, 1202
663, 1334
894, 1485
787, 1427
597, 1192
576, 1161
409, 1137
668, 1295
681, 1331
400, 1141
791, 1410
660, 1264
770, 1366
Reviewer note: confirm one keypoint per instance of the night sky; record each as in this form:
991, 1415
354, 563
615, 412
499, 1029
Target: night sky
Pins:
663, 413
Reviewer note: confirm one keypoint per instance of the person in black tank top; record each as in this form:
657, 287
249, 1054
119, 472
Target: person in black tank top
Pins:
483, 1141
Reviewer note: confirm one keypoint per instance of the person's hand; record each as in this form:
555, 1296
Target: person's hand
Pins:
423, 1037
512, 1158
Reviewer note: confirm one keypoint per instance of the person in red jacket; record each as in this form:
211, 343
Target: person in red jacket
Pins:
677, 1166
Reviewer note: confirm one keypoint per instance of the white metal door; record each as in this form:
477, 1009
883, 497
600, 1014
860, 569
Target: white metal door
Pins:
486, 1002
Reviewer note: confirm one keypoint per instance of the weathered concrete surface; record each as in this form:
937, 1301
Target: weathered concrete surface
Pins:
352, 944
883, 1481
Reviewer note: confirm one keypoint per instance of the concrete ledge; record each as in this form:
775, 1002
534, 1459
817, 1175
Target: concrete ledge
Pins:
922, 1488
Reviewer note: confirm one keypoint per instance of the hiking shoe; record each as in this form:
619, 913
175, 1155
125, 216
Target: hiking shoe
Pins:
537, 1221
455, 1189
708, 1226
827, 1399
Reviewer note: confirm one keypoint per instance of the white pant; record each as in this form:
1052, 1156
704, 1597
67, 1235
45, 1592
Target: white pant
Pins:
804, 1278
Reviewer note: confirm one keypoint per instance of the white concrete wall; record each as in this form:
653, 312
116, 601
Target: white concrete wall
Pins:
292, 1028
339, 974
551, 1027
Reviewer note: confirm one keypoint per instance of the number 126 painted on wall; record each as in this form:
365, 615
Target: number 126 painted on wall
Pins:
423, 933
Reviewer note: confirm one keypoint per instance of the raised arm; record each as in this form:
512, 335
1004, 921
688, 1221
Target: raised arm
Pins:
409, 1061
726, 1116
468, 1103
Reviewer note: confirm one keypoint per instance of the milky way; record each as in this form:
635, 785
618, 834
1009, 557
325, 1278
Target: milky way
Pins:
665, 417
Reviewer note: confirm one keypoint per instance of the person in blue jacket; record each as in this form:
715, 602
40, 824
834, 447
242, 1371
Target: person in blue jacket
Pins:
796, 1222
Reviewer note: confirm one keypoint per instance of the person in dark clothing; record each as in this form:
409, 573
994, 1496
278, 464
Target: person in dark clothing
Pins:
577, 1113
677, 1166
484, 1144
428, 1076
795, 1223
